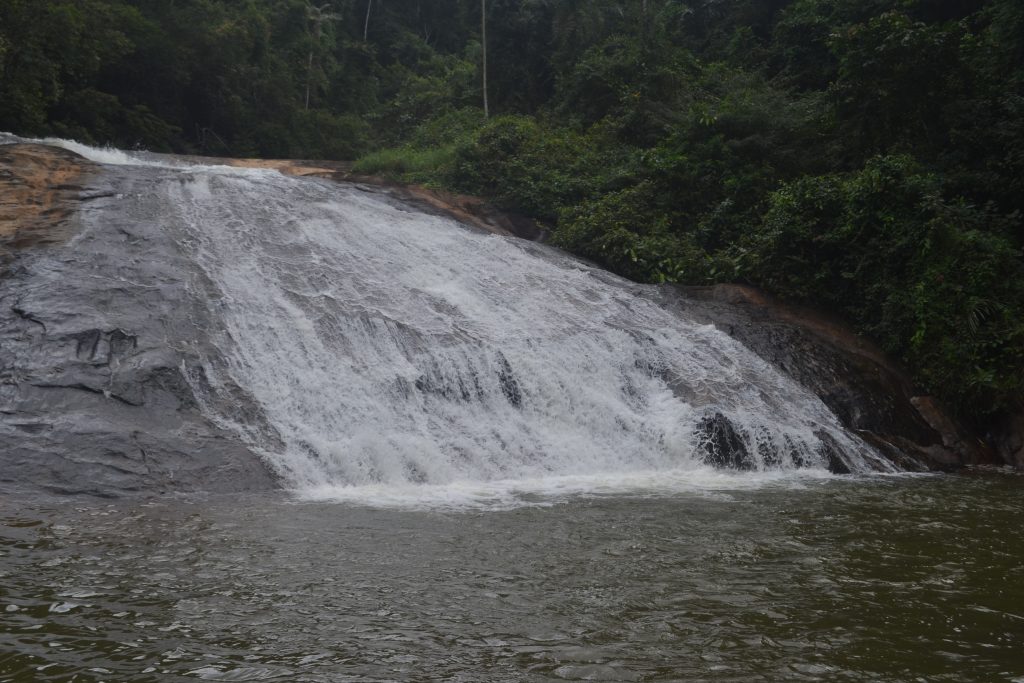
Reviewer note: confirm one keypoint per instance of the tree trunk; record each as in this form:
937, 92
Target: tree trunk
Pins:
483, 35
366, 26
309, 77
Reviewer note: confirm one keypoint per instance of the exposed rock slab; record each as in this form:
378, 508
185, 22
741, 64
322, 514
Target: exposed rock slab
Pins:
104, 347
97, 345
466, 209
723, 448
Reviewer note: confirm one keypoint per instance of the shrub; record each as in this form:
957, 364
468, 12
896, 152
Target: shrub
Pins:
407, 163
625, 232
936, 282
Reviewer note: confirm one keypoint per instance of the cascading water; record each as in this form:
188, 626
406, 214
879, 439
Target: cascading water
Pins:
360, 344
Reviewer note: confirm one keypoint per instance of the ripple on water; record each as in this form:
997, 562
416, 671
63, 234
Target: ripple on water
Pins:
895, 579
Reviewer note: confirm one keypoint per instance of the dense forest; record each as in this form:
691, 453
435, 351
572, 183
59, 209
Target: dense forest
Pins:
862, 156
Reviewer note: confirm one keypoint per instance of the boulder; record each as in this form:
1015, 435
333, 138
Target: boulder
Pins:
722, 445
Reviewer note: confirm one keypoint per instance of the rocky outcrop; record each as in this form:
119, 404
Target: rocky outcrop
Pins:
98, 366
722, 445
103, 347
872, 396
1008, 438
468, 210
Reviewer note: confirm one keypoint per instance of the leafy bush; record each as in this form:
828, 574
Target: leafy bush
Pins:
430, 152
936, 282
407, 163
531, 167
625, 232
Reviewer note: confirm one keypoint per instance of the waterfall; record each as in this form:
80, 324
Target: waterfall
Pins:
358, 342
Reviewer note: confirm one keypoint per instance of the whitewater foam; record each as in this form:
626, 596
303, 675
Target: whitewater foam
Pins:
510, 494
385, 346
111, 156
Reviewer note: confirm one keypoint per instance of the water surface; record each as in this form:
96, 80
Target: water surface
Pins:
892, 578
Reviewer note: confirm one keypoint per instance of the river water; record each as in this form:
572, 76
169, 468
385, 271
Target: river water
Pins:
871, 578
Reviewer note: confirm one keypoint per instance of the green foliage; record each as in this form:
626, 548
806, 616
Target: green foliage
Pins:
430, 152
439, 86
408, 164
861, 155
55, 49
531, 167
895, 76
930, 279
452, 127
638, 91
625, 233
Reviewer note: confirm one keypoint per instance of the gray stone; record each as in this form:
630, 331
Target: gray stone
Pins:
100, 351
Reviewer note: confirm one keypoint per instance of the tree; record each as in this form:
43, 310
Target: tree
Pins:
318, 16
483, 40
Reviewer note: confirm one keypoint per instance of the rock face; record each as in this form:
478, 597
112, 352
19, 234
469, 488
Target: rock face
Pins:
469, 210
722, 445
870, 394
106, 322
724, 448
1008, 438
95, 346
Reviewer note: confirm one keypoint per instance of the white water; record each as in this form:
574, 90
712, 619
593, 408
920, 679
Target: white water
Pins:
399, 356
387, 347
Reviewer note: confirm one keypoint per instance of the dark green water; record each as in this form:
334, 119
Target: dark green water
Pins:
880, 579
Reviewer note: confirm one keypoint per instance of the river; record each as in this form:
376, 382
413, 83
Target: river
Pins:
868, 578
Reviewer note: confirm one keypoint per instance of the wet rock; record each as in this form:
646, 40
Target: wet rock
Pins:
100, 349
831, 453
722, 445
39, 189
872, 396
1008, 438
508, 382
451, 387
471, 211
